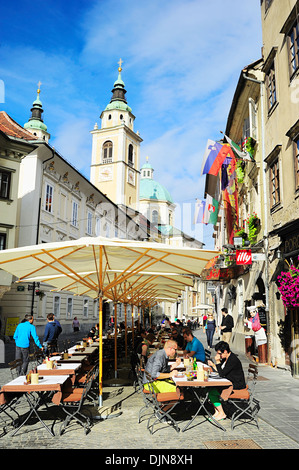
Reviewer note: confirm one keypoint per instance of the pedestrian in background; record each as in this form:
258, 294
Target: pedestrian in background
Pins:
227, 325
210, 329
24, 331
76, 325
50, 335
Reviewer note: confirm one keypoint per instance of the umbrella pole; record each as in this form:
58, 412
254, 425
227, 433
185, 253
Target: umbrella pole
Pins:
126, 352
100, 351
115, 340
132, 315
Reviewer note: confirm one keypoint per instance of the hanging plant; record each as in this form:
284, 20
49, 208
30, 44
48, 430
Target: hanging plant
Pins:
243, 234
240, 171
249, 145
253, 227
288, 286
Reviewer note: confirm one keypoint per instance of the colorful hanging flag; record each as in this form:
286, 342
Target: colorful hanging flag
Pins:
199, 211
215, 155
244, 155
211, 152
230, 201
211, 211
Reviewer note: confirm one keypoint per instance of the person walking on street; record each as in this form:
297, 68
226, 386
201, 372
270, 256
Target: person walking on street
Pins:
50, 335
227, 325
76, 325
24, 331
210, 329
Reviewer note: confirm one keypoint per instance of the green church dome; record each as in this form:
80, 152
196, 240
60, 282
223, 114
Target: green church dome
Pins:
150, 189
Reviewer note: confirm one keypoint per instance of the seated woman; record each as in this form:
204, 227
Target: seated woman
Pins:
228, 366
143, 348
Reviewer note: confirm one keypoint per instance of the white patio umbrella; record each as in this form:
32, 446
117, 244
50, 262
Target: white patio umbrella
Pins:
97, 267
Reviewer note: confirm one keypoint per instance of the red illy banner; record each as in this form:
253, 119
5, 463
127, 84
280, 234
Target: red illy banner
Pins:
243, 257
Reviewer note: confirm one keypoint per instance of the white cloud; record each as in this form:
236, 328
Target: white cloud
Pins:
181, 65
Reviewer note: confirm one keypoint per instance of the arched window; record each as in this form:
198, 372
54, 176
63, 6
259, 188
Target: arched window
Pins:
107, 152
131, 155
155, 217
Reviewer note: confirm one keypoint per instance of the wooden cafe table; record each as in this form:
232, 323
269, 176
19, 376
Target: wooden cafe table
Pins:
71, 359
197, 386
89, 350
61, 369
35, 394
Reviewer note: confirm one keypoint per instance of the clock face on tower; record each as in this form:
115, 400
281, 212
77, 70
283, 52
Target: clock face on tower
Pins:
105, 174
131, 177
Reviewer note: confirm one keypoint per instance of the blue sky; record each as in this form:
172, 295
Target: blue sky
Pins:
181, 63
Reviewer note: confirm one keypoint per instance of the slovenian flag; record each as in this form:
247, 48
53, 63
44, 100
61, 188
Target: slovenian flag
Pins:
211, 211
215, 155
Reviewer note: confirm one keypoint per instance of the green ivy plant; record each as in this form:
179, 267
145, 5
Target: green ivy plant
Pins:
240, 171
249, 146
253, 227
243, 234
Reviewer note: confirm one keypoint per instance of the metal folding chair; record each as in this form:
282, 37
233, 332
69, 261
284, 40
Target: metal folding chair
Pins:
162, 405
15, 367
208, 355
72, 403
243, 404
146, 395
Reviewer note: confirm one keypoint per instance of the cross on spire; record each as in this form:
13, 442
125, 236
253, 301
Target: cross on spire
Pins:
120, 62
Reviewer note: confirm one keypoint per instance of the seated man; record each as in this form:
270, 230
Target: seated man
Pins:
157, 366
194, 347
229, 366
176, 336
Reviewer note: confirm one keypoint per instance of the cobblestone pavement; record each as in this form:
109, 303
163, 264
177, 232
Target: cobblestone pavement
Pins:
278, 421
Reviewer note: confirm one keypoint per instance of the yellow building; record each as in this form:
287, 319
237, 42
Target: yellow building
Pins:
116, 150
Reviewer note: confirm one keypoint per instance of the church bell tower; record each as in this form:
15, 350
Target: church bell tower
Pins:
116, 150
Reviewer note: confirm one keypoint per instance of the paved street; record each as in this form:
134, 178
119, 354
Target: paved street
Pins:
277, 391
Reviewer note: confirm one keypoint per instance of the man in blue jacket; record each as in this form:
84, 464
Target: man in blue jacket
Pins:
51, 334
24, 331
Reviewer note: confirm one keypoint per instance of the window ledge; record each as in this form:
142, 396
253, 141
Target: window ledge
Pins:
276, 208
272, 109
6, 199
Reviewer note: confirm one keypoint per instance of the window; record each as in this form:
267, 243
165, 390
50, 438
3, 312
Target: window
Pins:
62, 210
56, 305
75, 214
107, 152
98, 227
296, 157
130, 155
85, 308
49, 198
2, 241
69, 309
155, 217
271, 87
293, 42
267, 5
274, 184
89, 223
4, 184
